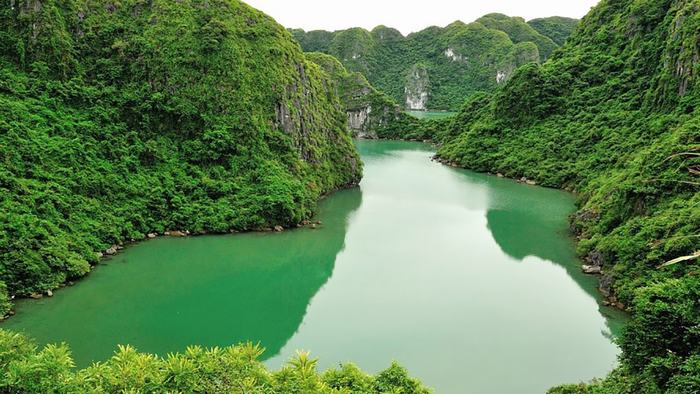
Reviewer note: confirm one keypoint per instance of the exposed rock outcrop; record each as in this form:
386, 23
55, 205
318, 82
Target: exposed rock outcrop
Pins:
371, 113
452, 55
592, 269
463, 58
595, 258
417, 88
358, 121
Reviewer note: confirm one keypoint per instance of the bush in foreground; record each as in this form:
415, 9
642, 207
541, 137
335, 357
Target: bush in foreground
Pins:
24, 368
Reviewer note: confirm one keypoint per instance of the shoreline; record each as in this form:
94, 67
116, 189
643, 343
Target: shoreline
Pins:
608, 298
588, 267
116, 248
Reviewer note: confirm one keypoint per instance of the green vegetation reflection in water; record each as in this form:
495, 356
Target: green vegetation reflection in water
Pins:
430, 115
166, 294
460, 277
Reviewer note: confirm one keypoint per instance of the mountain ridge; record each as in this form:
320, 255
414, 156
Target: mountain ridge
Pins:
438, 67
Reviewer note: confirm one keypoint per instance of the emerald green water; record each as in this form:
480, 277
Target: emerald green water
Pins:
431, 114
469, 281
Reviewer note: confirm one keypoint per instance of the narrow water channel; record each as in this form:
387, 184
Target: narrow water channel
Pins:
469, 281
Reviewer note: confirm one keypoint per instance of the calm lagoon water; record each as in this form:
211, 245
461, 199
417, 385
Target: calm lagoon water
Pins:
431, 114
468, 280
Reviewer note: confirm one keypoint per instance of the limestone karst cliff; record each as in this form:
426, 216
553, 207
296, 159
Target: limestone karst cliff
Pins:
119, 119
437, 68
371, 113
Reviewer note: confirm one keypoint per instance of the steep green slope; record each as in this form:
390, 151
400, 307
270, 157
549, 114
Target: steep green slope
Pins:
519, 31
557, 28
436, 68
118, 119
371, 113
313, 41
613, 115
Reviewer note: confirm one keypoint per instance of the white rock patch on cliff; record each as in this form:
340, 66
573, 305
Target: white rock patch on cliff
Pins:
501, 77
357, 120
417, 101
417, 88
452, 55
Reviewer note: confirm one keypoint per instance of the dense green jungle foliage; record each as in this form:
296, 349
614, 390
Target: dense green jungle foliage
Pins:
437, 68
519, 31
614, 115
118, 119
371, 113
26, 369
557, 28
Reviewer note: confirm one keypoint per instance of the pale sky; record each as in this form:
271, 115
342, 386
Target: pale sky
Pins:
408, 15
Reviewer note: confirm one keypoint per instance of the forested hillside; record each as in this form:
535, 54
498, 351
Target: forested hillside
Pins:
437, 68
371, 113
557, 28
519, 31
613, 115
121, 119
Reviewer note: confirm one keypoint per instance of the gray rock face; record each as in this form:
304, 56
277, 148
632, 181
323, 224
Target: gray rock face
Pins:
294, 115
417, 88
370, 113
605, 285
592, 269
587, 215
581, 218
364, 123
358, 121
595, 258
